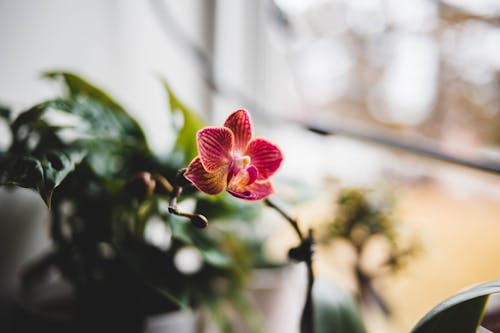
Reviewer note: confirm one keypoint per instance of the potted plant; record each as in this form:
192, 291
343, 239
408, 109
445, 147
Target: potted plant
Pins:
129, 226
119, 250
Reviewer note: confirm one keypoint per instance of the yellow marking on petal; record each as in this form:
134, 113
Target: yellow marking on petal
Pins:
239, 181
242, 162
246, 161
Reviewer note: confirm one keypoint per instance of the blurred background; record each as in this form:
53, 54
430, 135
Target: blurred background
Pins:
380, 75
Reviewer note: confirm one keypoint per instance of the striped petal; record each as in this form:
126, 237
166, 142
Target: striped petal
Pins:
215, 145
256, 191
239, 123
265, 156
207, 182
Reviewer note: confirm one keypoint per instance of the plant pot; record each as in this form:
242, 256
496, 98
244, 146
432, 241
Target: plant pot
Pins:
279, 295
49, 309
23, 232
176, 322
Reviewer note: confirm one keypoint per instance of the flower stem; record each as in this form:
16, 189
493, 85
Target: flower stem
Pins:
307, 320
287, 217
303, 252
198, 220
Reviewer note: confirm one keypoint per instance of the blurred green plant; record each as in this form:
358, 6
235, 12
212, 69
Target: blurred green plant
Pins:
105, 187
118, 235
362, 217
110, 197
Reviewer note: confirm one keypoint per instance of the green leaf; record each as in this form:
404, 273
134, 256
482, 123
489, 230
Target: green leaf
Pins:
78, 88
335, 310
460, 313
29, 116
5, 112
156, 269
216, 312
42, 174
98, 123
210, 250
186, 137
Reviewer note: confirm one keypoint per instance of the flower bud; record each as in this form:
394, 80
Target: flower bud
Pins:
199, 221
141, 185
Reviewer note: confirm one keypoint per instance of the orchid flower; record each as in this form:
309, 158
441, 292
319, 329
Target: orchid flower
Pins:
230, 159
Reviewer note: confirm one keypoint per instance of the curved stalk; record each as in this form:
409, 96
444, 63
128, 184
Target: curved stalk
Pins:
198, 220
305, 254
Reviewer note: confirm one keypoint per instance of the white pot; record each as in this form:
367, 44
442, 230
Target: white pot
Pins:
23, 232
279, 295
174, 322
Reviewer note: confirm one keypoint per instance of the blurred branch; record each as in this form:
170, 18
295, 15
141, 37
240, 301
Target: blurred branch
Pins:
455, 14
427, 148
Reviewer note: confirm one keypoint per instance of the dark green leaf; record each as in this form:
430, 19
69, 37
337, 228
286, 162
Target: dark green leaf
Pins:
42, 174
109, 109
98, 123
24, 171
157, 270
4, 112
186, 137
77, 86
461, 313
30, 125
335, 310
29, 116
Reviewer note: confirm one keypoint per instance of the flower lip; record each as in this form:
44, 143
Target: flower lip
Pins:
252, 174
246, 195
256, 191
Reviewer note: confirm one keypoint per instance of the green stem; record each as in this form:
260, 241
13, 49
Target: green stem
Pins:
291, 220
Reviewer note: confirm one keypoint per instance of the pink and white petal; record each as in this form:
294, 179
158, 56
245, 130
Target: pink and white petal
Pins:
207, 182
256, 191
215, 145
265, 156
241, 126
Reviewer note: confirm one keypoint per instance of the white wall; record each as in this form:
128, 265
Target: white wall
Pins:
118, 44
